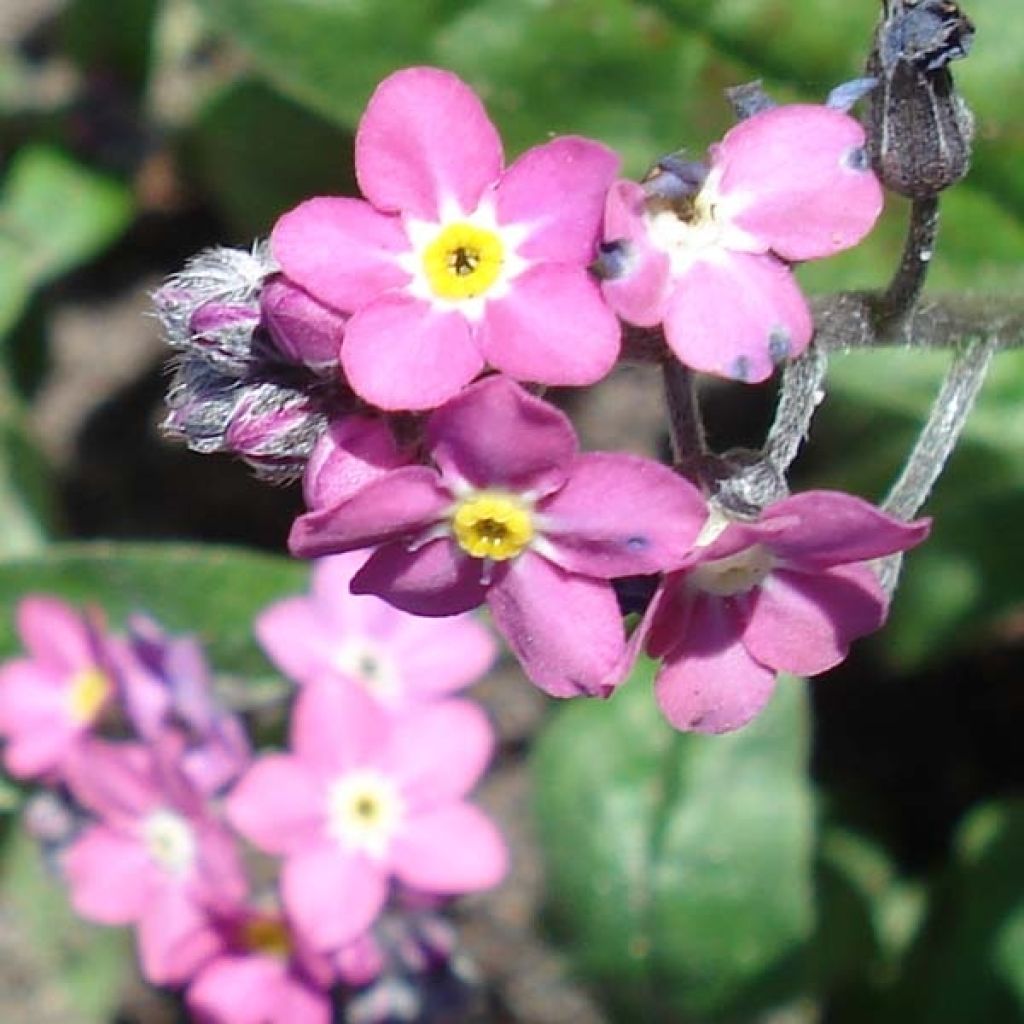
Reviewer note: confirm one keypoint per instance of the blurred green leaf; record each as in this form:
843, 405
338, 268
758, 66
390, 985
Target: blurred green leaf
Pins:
24, 498
82, 964
975, 969
680, 866
214, 592
54, 215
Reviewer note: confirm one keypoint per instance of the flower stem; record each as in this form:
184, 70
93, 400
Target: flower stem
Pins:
800, 393
686, 426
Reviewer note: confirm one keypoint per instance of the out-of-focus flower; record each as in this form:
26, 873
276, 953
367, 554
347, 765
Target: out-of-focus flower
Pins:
263, 974
515, 516
165, 685
453, 263
705, 251
51, 699
365, 797
400, 659
156, 855
787, 593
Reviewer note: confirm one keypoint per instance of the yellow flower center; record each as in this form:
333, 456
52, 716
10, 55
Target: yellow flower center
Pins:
463, 261
364, 811
493, 525
89, 691
266, 935
736, 574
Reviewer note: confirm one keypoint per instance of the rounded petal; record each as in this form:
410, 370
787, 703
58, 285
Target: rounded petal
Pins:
622, 515
335, 728
737, 316
176, 937
566, 630
294, 638
305, 330
110, 875
401, 353
238, 989
441, 656
332, 896
116, 781
342, 251
640, 293
833, 528
277, 805
433, 580
497, 434
439, 752
400, 503
425, 138
34, 718
352, 452
558, 191
801, 180
54, 633
451, 849
708, 682
803, 622
553, 327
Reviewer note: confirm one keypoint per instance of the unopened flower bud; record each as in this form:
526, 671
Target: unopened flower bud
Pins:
920, 130
304, 330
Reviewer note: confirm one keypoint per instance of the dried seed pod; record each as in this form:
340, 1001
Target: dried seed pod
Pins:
920, 130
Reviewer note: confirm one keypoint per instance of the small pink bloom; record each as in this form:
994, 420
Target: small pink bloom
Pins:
156, 855
787, 593
515, 516
398, 658
365, 798
453, 263
51, 699
711, 261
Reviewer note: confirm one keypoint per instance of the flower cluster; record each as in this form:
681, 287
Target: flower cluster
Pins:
439, 306
151, 786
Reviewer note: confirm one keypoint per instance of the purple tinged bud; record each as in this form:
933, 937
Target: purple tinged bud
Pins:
304, 330
674, 178
613, 260
843, 97
749, 99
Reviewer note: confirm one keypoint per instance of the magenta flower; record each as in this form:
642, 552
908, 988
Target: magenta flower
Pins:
156, 855
788, 593
263, 974
515, 516
454, 263
50, 700
711, 261
366, 797
399, 658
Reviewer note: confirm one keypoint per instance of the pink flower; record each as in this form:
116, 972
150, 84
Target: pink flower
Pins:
515, 516
398, 658
366, 797
263, 974
156, 856
453, 263
787, 593
711, 261
51, 699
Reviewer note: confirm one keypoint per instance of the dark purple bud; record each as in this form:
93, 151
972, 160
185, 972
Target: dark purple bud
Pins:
674, 179
304, 330
749, 99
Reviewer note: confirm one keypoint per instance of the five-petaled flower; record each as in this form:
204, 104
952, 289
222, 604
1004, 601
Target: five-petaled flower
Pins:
787, 593
453, 263
706, 251
511, 513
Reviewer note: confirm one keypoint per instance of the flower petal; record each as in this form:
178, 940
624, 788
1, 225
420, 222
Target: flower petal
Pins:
435, 579
622, 515
566, 630
640, 294
558, 191
401, 353
804, 622
54, 633
451, 849
294, 638
399, 503
802, 175
237, 989
423, 139
278, 805
305, 330
708, 682
332, 896
497, 434
342, 251
833, 528
737, 316
439, 752
110, 876
335, 728
441, 656
552, 327
176, 937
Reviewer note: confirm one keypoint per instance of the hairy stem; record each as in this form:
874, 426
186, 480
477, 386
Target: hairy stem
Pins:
905, 288
800, 393
685, 423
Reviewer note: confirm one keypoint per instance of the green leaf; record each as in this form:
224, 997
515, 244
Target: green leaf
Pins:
82, 965
214, 592
680, 866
